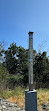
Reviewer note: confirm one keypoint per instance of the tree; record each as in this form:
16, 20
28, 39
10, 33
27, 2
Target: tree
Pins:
10, 58
16, 60
23, 63
41, 69
1, 51
3, 77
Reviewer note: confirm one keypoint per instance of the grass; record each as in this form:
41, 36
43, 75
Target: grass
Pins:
18, 96
43, 96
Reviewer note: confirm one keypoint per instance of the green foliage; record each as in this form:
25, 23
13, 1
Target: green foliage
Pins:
11, 61
1, 51
41, 69
22, 59
3, 77
3, 74
18, 91
14, 80
11, 93
23, 64
16, 61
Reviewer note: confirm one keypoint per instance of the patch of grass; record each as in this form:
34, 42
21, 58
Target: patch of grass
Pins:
5, 94
42, 96
16, 92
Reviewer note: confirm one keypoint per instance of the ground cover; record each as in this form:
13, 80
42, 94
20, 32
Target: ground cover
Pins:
18, 96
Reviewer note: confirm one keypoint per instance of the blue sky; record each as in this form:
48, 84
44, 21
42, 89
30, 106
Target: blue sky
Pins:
18, 17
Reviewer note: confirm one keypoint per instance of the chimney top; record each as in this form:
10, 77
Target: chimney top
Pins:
30, 33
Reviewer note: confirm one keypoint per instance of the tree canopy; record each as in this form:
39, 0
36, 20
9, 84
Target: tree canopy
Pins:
16, 62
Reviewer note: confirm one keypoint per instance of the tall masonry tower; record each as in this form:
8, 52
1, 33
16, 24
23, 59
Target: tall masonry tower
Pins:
30, 94
30, 61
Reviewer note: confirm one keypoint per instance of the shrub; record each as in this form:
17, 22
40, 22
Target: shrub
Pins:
14, 80
3, 77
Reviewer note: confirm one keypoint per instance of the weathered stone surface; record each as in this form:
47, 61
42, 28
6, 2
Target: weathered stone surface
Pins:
9, 106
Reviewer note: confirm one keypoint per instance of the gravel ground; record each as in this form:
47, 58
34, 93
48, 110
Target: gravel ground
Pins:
9, 106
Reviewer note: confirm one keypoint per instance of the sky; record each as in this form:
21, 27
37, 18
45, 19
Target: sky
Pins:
18, 17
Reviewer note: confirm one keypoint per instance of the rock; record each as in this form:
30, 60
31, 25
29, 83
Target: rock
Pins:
9, 106
3, 106
0, 107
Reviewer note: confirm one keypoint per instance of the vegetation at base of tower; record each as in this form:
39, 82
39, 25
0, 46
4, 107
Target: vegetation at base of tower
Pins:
18, 96
14, 65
